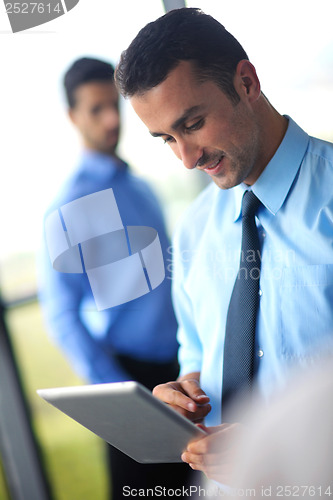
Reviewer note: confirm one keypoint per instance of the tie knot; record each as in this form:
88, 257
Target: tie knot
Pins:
250, 204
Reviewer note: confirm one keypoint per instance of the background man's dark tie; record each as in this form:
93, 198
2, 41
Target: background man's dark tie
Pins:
241, 319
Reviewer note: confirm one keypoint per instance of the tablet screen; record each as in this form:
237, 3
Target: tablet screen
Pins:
129, 417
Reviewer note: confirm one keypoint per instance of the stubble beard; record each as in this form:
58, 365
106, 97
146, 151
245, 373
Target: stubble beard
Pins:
241, 163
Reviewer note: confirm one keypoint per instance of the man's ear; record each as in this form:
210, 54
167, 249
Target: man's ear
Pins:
71, 115
247, 81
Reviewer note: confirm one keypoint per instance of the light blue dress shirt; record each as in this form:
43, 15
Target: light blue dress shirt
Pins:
145, 328
295, 221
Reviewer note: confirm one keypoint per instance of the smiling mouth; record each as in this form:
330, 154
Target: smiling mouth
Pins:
214, 167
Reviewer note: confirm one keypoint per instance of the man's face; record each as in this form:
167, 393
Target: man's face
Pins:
203, 127
96, 115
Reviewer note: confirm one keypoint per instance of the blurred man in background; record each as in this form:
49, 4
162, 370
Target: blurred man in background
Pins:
132, 341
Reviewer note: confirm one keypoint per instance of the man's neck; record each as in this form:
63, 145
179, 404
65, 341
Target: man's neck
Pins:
273, 128
111, 154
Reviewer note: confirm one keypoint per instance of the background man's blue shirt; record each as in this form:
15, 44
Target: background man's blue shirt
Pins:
295, 221
144, 328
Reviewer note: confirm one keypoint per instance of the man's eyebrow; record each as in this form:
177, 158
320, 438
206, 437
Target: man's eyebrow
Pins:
176, 124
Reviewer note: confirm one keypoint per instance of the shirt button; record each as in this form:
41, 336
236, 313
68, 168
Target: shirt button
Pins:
260, 292
260, 353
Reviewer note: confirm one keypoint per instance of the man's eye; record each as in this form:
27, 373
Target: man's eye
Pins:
196, 126
96, 110
168, 139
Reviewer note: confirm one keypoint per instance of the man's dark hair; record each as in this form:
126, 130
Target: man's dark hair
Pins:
86, 70
180, 35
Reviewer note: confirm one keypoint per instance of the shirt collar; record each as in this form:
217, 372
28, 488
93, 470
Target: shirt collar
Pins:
275, 181
100, 164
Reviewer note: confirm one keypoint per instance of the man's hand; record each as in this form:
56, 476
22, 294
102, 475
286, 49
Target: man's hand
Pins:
185, 396
215, 454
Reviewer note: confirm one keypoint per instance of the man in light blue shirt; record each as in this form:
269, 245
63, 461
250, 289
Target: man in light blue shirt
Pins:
132, 341
192, 84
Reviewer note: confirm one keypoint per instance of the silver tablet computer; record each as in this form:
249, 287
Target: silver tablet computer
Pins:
129, 417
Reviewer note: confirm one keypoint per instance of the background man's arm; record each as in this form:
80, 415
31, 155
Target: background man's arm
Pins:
60, 296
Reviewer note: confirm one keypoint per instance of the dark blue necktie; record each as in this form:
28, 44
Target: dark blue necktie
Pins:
238, 358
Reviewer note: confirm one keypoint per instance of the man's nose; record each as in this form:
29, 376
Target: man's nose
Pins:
189, 153
111, 118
